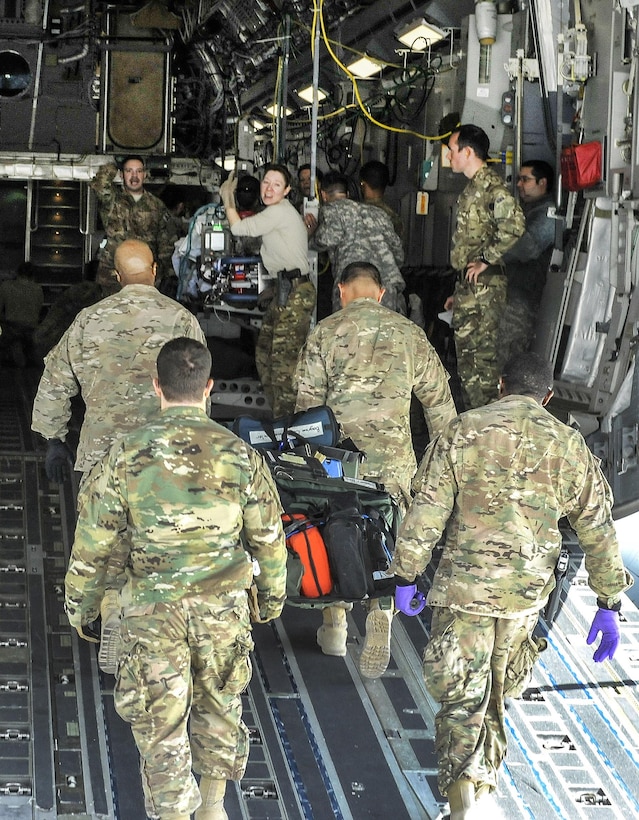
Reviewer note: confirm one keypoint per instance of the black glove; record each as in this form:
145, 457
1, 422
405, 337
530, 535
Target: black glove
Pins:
59, 457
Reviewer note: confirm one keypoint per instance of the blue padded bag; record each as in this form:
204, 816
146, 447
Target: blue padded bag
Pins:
315, 426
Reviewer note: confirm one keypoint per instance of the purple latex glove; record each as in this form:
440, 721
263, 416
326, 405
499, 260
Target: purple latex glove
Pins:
409, 600
607, 622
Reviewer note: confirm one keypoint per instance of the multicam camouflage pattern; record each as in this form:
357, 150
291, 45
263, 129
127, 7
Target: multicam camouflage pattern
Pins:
467, 657
283, 332
364, 361
188, 495
355, 232
477, 315
489, 220
497, 481
516, 328
161, 646
108, 355
64, 310
124, 217
185, 490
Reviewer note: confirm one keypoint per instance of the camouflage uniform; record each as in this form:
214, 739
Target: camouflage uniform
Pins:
354, 232
364, 362
497, 481
108, 355
64, 310
526, 267
288, 318
190, 496
489, 220
283, 332
124, 217
395, 218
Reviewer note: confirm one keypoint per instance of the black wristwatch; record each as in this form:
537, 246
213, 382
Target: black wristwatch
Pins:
613, 608
483, 259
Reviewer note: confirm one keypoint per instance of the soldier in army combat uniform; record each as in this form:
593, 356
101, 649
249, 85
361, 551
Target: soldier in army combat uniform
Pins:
497, 481
351, 232
198, 506
130, 212
373, 180
365, 361
489, 220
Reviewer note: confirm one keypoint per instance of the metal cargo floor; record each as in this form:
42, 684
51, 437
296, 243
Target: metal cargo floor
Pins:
325, 742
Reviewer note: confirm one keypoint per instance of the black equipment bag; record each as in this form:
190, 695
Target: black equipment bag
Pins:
358, 521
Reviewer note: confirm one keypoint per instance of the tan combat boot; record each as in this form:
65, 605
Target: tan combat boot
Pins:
212, 807
110, 635
461, 799
332, 634
375, 655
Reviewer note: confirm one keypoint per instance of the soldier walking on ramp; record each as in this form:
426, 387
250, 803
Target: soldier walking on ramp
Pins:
365, 362
196, 505
497, 481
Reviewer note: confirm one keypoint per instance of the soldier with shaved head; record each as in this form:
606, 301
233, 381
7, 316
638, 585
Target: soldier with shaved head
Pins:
107, 356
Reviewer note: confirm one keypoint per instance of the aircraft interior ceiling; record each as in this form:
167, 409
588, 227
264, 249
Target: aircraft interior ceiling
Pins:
202, 87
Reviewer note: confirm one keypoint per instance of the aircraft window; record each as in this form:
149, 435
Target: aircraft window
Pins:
15, 74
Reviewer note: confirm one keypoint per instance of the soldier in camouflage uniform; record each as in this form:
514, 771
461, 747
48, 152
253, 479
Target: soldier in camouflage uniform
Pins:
528, 259
284, 253
489, 220
198, 506
352, 231
497, 481
373, 180
108, 356
130, 212
365, 361
66, 307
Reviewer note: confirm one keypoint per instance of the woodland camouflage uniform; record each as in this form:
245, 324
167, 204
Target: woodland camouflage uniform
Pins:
124, 217
196, 505
489, 220
496, 482
364, 361
354, 232
108, 355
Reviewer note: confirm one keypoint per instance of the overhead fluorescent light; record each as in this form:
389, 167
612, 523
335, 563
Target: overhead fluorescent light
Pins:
364, 67
419, 35
306, 94
278, 111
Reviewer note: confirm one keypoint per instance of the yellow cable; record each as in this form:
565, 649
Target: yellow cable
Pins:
353, 79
